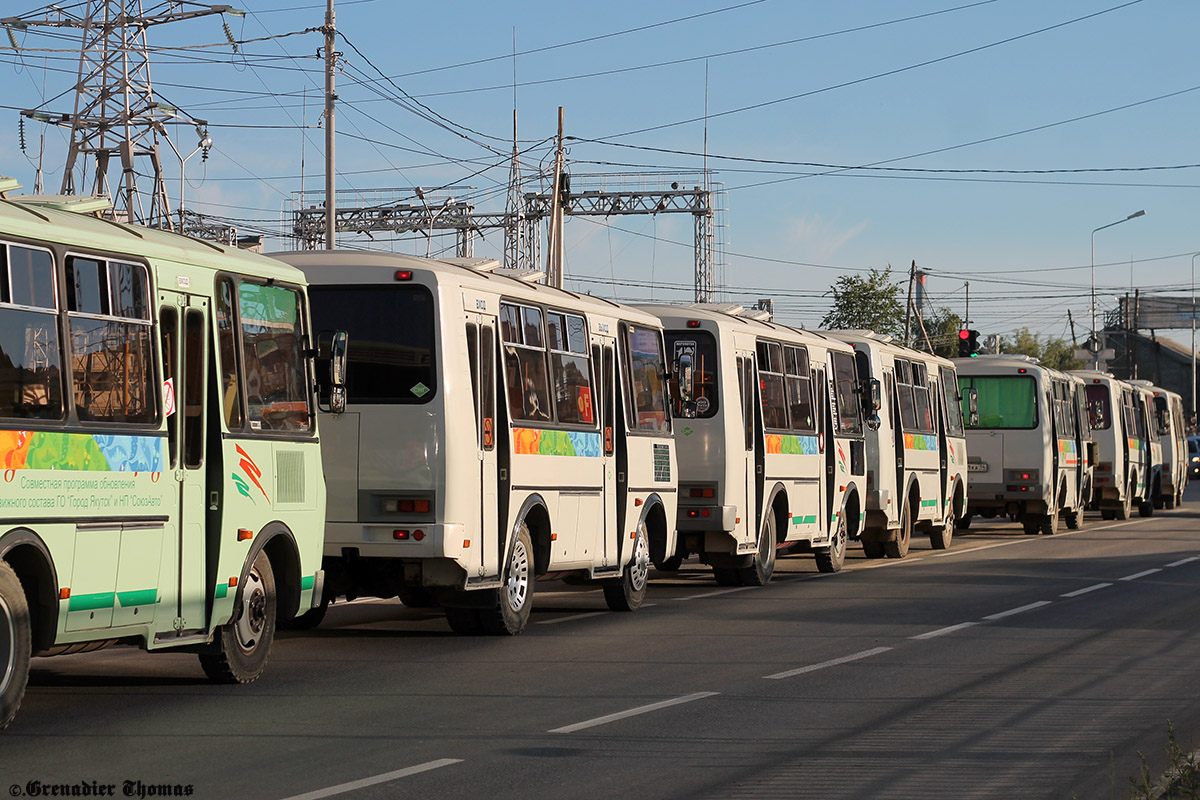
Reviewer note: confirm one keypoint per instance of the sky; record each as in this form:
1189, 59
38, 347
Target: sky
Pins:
984, 141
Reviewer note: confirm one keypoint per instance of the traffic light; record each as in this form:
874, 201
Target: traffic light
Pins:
968, 343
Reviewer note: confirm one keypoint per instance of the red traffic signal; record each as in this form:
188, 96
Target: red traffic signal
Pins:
964, 334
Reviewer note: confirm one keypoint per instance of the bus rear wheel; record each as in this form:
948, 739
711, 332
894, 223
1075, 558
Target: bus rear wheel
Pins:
898, 547
872, 549
831, 559
510, 614
759, 573
245, 641
306, 621
627, 593
15, 644
939, 538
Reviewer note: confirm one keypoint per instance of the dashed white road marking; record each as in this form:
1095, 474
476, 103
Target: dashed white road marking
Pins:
831, 663
571, 618
1086, 589
1020, 610
633, 712
1183, 561
1141, 574
944, 631
342, 788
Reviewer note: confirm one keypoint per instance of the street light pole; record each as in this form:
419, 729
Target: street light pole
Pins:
204, 144
1095, 331
1193, 359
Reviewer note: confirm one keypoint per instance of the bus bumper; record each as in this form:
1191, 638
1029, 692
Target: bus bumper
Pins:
397, 539
706, 518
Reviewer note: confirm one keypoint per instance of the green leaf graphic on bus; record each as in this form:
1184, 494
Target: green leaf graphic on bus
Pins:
252, 472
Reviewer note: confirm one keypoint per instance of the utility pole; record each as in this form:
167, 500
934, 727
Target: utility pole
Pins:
554, 256
912, 275
967, 313
331, 56
116, 116
1071, 320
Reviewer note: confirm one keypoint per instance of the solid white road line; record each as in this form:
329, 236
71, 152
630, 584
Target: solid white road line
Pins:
944, 631
718, 593
1181, 562
831, 663
1086, 589
1137, 575
949, 553
1020, 610
342, 788
633, 712
571, 618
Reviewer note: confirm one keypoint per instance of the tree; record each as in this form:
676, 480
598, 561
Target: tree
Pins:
943, 326
1050, 351
869, 302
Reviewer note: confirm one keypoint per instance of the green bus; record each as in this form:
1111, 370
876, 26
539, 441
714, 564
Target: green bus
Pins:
160, 471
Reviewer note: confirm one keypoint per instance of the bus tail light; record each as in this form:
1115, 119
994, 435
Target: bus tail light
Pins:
400, 535
404, 275
706, 491
693, 323
1104, 466
418, 535
406, 505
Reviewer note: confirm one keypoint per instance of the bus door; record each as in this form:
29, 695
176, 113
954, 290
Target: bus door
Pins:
604, 367
482, 349
753, 468
826, 425
1053, 409
185, 352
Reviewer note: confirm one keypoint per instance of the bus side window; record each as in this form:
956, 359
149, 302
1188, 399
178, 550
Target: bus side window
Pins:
30, 355
169, 324
473, 361
525, 363
192, 402
231, 400
746, 384
487, 384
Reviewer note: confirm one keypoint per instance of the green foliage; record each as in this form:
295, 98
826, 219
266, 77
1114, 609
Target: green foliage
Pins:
1051, 351
870, 302
942, 325
1182, 780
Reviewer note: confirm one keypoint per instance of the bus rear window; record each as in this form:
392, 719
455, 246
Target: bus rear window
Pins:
702, 349
1005, 401
1099, 406
391, 340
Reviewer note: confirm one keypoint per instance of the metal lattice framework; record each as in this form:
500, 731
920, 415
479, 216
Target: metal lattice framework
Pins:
117, 118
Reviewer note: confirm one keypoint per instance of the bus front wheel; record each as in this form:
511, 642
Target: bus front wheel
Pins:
898, 548
628, 592
831, 559
510, 614
245, 642
15, 644
760, 571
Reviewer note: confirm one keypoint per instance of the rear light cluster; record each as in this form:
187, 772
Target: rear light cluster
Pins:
404, 536
1022, 474
699, 512
1104, 466
406, 505
706, 492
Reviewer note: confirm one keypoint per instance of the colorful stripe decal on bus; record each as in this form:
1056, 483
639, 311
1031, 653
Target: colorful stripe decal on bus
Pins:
792, 445
1068, 452
798, 519
535, 441
920, 441
1135, 444
94, 602
81, 451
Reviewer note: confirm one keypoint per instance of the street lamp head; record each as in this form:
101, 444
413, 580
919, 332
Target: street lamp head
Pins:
1136, 214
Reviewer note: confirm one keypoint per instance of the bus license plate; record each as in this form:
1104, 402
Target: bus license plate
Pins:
977, 467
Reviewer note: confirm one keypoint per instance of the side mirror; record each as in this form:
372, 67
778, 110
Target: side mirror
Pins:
875, 395
333, 345
337, 358
873, 422
973, 407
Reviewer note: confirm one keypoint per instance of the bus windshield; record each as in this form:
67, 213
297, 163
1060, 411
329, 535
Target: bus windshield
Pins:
702, 349
391, 340
1099, 406
1005, 401
647, 371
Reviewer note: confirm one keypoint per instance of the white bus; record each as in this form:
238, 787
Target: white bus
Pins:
771, 442
1026, 444
498, 431
1166, 409
162, 475
917, 457
1128, 457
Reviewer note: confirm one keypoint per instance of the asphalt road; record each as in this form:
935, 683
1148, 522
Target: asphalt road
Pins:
1008, 666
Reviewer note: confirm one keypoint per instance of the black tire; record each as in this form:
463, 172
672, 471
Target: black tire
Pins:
1169, 501
628, 593
1126, 505
671, 564
939, 538
898, 547
1108, 513
727, 577
306, 621
464, 621
763, 567
245, 641
964, 522
16, 645
417, 597
831, 559
1032, 524
1146, 508
873, 549
1073, 518
1049, 523
514, 600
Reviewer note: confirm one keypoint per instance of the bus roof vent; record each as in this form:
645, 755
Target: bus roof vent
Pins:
760, 314
1009, 356
866, 334
476, 264
733, 309
525, 275
75, 203
8, 184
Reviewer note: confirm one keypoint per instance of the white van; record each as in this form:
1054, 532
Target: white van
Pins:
917, 456
1128, 459
1167, 421
1027, 445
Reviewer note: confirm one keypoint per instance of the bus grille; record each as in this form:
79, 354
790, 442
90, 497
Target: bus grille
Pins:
289, 476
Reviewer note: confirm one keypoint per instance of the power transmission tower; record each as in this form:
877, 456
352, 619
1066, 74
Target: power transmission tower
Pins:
116, 117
